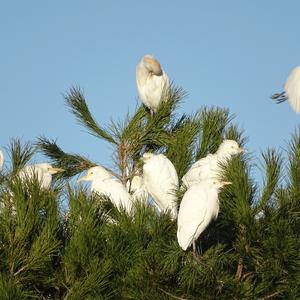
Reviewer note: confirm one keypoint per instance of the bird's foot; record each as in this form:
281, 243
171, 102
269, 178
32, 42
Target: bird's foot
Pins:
279, 97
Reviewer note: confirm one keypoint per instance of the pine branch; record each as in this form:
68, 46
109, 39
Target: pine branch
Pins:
71, 163
181, 143
294, 160
144, 132
213, 122
78, 106
20, 154
272, 167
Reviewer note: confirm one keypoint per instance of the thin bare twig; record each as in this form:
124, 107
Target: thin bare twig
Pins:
169, 294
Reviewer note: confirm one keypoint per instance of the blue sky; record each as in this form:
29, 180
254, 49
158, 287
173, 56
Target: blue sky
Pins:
231, 54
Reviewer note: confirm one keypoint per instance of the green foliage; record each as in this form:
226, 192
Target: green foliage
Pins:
78, 106
94, 251
20, 155
71, 163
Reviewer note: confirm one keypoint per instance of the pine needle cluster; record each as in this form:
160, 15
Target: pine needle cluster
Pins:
94, 251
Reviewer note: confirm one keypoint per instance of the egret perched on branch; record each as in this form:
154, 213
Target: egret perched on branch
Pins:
209, 166
161, 181
104, 183
1, 160
43, 172
291, 91
137, 188
151, 82
199, 206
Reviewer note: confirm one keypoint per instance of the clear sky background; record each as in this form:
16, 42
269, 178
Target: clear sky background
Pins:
230, 53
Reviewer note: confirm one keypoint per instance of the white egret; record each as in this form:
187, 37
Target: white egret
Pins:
1, 160
104, 183
209, 166
43, 172
199, 206
161, 181
151, 82
291, 91
137, 188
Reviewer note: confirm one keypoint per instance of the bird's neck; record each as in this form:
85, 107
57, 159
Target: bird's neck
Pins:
223, 156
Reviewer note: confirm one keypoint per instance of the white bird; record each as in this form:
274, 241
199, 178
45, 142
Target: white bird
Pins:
210, 165
199, 206
137, 188
1, 160
43, 173
104, 183
161, 181
291, 91
151, 82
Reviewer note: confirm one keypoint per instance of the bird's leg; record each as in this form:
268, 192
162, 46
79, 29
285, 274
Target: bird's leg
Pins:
279, 97
195, 254
281, 100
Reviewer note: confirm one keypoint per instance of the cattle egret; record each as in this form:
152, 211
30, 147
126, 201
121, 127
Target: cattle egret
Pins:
209, 166
1, 160
43, 172
199, 206
138, 189
151, 82
161, 181
104, 183
291, 91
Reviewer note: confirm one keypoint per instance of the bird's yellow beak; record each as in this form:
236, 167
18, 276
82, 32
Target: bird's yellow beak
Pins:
55, 170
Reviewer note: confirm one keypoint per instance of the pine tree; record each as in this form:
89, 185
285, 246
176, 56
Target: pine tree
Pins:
94, 251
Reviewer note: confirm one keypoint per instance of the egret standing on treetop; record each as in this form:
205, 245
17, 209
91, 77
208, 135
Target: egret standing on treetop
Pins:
209, 166
291, 91
199, 206
161, 181
43, 173
104, 183
151, 82
1, 160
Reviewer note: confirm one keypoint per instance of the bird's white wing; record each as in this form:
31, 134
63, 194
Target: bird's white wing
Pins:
153, 89
198, 170
161, 181
167, 183
116, 191
191, 216
292, 88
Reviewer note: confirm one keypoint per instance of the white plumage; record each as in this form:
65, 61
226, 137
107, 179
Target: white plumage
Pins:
43, 173
209, 166
291, 90
1, 160
199, 206
151, 82
104, 183
161, 181
137, 189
